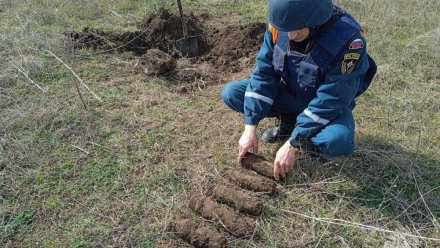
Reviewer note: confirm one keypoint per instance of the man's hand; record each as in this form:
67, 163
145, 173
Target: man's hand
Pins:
284, 160
248, 142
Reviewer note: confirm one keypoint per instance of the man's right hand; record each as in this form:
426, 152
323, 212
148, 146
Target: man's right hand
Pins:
248, 142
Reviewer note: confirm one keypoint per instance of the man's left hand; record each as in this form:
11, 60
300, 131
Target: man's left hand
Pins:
284, 160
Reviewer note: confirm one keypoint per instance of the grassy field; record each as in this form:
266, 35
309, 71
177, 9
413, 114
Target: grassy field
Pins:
117, 173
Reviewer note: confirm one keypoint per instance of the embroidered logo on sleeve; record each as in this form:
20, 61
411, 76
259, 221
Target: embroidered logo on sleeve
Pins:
356, 44
349, 62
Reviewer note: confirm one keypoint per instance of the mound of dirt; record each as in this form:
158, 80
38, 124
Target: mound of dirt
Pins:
224, 49
231, 44
160, 30
89, 38
187, 71
163, 29
155, 62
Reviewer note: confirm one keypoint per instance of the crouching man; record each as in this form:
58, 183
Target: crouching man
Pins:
311, 66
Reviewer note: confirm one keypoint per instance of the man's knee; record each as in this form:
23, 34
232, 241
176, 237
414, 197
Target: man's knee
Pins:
233, 96
227, 94
339, 142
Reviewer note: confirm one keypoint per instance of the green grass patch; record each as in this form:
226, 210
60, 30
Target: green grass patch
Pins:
111, 175
17, 221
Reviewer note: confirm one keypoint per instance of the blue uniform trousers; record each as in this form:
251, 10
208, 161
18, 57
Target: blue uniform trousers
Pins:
335, 139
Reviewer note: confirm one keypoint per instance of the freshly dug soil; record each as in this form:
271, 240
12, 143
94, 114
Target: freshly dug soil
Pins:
163, 29
250, 180
199, 235
226, 49
188, 71
160, 30
237, 199
109, 42
88, 38
155, 62
232, 44
239, 226
258, 164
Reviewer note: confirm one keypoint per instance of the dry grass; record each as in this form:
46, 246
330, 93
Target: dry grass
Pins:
118, 173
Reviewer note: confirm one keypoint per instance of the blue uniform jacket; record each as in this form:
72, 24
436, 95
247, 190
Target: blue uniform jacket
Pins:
338, 87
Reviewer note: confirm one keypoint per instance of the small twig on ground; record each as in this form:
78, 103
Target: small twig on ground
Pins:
341, 222
80, 96
434, 220
81, 149
103, 147
167, 217
317, 183
115, 13
328, 224
410, 205
29, 78
77, 77
122, 61
198, 85
419, 141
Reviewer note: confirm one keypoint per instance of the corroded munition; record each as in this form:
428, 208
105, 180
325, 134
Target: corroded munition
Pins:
171, 244
199, 235
258, 164
250, 180
238, 199
211, 210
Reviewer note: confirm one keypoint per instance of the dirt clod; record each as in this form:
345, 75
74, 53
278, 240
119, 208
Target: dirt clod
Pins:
199, 235
155, 62
250, 180
211, 210
238, 199
258, 164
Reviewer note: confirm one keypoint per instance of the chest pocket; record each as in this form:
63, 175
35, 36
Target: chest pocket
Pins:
307, 75
278, 61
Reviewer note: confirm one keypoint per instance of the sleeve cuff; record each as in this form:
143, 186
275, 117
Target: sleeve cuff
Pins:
295, 134
251, 120
294, 143
294, 139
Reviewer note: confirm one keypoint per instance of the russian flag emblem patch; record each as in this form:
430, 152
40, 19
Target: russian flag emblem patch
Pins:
356, 44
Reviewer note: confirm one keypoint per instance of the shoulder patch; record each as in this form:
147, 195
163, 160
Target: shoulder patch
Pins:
356, 44
349, 62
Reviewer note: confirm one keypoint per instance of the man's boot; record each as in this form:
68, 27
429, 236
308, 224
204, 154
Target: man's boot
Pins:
279, 133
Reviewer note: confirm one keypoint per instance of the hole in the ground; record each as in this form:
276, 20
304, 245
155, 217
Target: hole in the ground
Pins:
223, 50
